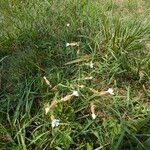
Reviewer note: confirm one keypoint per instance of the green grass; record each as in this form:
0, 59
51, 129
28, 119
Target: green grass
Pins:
114, 36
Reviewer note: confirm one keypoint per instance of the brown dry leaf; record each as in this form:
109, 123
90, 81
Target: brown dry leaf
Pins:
82, 58
55, 88
93, 111
93, 108
122, 91
94, 91
52, 117
47, 108
98, 93
66, 98
53, 104
104, 116
46, 81
74, 44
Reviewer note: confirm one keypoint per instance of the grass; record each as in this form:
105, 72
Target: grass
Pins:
114, 36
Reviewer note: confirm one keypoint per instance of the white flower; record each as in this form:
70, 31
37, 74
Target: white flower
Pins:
88, 78
81, 86
93, 116
91, 64
68, 24
91, 78
110, 91
55, 123
75, 93
67, 44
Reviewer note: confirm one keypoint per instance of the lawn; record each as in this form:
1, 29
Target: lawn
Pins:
75, 75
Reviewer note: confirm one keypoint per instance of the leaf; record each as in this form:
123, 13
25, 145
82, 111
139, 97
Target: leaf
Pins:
89, 147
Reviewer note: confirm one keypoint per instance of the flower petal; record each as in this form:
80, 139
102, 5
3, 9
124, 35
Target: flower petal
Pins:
75, 93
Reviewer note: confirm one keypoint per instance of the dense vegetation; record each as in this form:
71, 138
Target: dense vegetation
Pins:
51, 48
